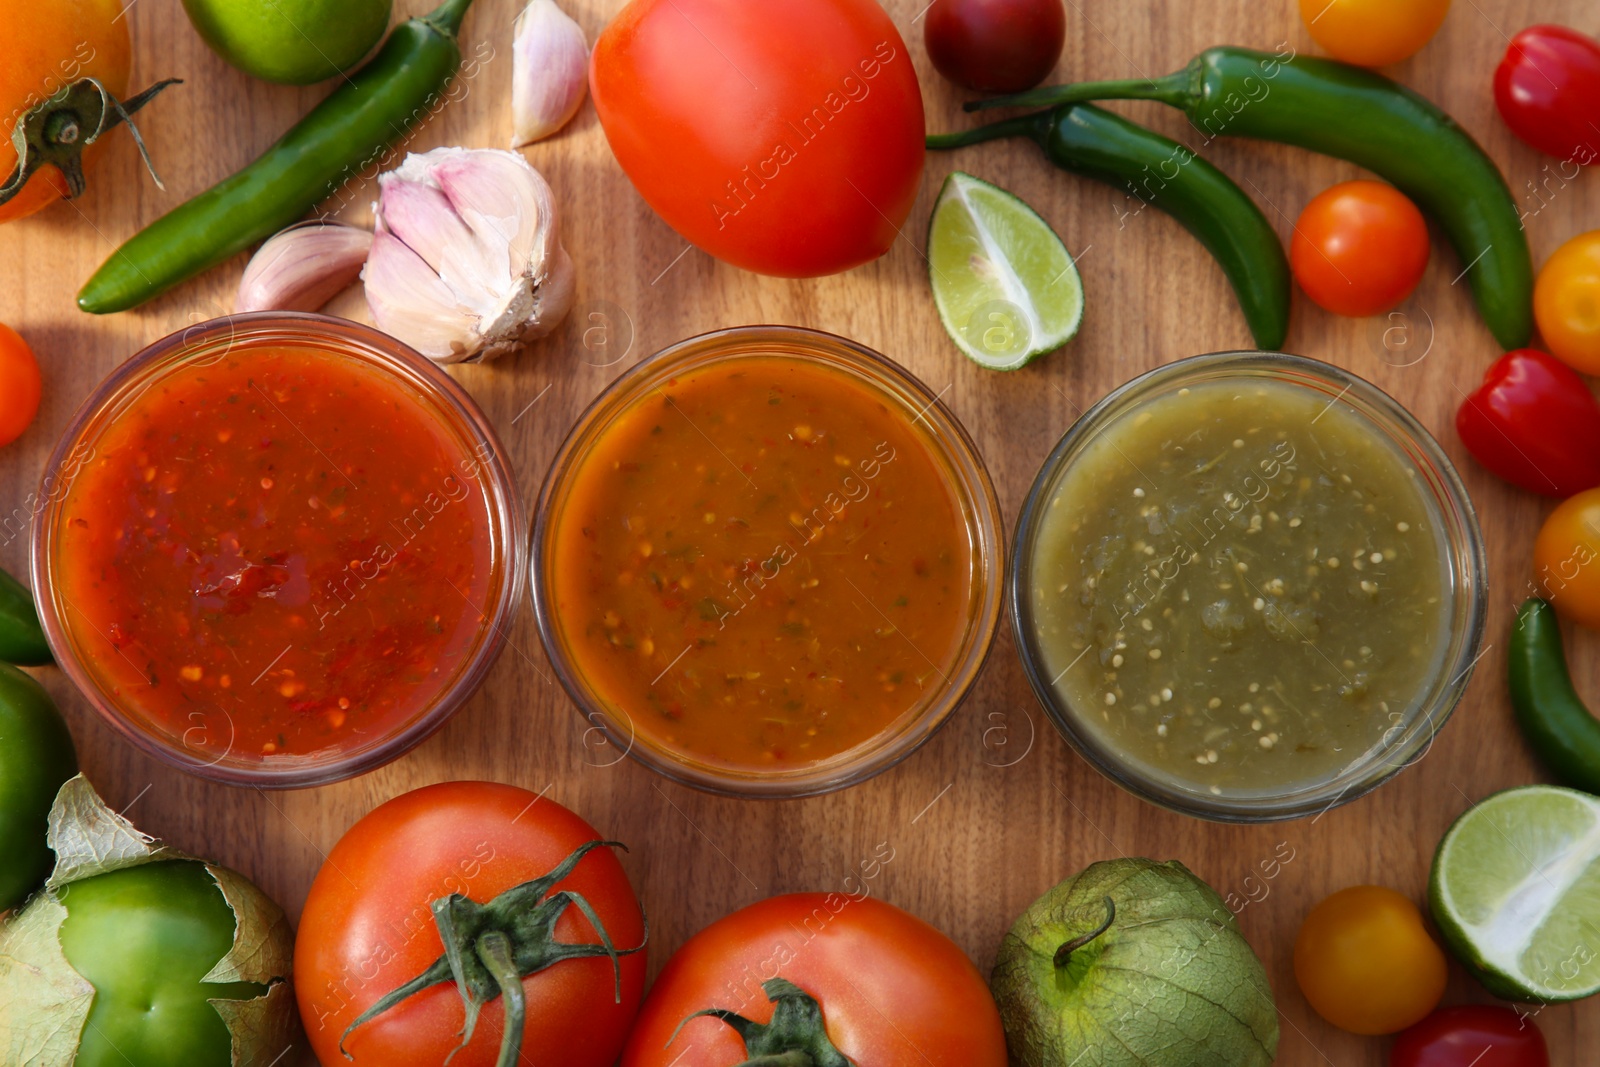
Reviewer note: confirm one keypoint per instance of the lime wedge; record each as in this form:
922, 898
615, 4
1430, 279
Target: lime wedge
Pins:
1005, 285
1516, 893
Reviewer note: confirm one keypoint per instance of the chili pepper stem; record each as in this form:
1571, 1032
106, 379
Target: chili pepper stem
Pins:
447, 17
1021, 126
1175, 89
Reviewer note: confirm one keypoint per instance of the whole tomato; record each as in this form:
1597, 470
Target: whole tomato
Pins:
1548, 90
892, 990
1359, 248
785, 137
1566, 302
442, 853
20, 385
1373, 33
995, 46
1475, 1035
1566, 559
51, 44
1366, 963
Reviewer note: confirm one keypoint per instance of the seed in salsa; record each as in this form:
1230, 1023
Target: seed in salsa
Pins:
282, 552
762, 565
1239, 586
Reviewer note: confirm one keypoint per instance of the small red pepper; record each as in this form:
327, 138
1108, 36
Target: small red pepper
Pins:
1548, 91
1534, 423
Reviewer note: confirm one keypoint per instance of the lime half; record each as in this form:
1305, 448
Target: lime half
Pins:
1006, 287
1516, 892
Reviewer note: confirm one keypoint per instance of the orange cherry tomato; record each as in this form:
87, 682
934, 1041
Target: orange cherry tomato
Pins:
1366, 963
1373, 33
1359, 248
19, 385
1566, 303
51, 44
1566, 559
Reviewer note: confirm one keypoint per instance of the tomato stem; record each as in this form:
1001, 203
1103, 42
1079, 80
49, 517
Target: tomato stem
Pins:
56, 131
1065, 951
796, 1036
494, 949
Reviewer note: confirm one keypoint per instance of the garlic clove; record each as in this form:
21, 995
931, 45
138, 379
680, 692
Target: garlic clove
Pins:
492, 194
423, 218
419, 309
549, 72
303, 267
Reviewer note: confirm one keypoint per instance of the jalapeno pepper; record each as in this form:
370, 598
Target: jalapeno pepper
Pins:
1552, 715
1090, 141
343, 135
1354, 114
21, 638
1534, 423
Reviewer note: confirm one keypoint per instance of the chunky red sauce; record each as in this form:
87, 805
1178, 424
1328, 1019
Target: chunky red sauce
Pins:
280, 553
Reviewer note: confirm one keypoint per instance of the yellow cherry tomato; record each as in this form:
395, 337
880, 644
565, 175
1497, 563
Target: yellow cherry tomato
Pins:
1373, 33
1566, 559
1566, 303
1365, 962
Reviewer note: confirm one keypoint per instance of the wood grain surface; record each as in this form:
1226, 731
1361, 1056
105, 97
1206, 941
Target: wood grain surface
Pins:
997, 808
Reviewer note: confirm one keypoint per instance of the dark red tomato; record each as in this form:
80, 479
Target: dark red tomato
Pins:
1534, 423
783, 136
1548, 91
368, 929
995, 46
1477, 1035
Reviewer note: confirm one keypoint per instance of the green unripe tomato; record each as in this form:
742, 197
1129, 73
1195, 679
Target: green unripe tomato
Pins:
295, 42
36, 756
144, 937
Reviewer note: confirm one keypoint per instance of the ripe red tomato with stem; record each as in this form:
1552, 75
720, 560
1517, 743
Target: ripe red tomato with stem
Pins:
892, 991
1548, 90
784, 137
1359, 248
995, 46
485, 860
1474, 1035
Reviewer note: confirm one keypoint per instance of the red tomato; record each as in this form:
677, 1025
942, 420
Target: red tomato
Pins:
367, 929
20, 386
1359, 248
1478, 1035
995, 46
894, 992
1548, 90
784, 137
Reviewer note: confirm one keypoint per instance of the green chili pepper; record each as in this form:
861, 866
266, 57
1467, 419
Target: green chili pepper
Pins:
346, 133
1087, 140
1355, 114
21, 637
1549, 710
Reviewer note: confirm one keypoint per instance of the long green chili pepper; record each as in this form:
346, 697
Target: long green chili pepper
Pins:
346, 133
1552, 715
1357, 115
21, 637
1087, 140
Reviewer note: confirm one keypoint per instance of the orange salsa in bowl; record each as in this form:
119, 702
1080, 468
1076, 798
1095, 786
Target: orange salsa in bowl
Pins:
767, 562
279, 549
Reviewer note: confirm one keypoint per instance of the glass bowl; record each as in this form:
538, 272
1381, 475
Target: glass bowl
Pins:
953, 455
204, 744
1463, 596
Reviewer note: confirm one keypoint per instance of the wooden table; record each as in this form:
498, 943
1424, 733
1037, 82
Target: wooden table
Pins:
997, 808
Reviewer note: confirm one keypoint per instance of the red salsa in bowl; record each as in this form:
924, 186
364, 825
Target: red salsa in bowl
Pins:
281, 549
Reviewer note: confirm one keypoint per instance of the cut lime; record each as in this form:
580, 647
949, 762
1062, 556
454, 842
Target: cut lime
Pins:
1005, 285
1516, 893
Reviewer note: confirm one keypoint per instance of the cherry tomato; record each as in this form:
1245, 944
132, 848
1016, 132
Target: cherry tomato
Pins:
368, 929
1373, 33
785, 136
1566, 302
1365, 962
1566, 559
1548, 90
893, 991
20, 386
1475, 1035
1359, 248
995, 46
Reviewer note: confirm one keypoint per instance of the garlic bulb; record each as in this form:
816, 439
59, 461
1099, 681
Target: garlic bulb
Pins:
303, 267
467, 260
549, 72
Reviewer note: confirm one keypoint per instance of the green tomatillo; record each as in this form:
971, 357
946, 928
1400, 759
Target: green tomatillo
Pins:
36, 756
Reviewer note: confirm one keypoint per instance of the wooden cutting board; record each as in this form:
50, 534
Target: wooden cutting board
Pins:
997, 808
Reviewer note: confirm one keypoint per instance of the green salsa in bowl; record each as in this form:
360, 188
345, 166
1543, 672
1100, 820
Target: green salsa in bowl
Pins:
1248, 586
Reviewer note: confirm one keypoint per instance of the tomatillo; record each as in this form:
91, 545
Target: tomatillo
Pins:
36, 756
296, 42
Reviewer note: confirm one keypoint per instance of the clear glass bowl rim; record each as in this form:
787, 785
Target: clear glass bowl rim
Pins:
1468, 576
449, 397
957, 453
